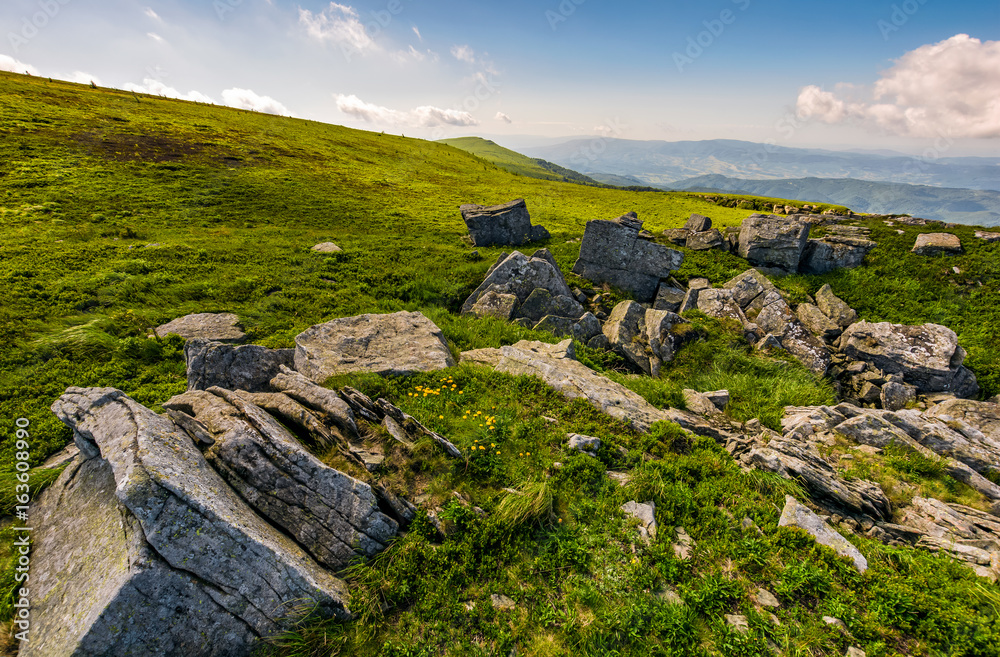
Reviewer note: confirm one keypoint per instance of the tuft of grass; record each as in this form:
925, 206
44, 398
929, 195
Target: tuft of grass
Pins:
531, 504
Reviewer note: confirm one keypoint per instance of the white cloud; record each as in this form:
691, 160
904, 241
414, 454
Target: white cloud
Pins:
503, 117
156, 37
82, 77
152, 14
464, 54
338, 24
425, 116
950, 88
8, 63
247, 99
157, 88
417, 32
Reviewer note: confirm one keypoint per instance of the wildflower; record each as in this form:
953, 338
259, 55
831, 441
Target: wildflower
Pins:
527, 453
498, 453
493, 445
560, 519
460, 392
440, 417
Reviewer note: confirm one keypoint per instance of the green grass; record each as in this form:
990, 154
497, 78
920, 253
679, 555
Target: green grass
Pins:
516, 163
119, 212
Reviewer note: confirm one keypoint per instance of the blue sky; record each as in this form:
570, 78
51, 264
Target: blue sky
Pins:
846, 74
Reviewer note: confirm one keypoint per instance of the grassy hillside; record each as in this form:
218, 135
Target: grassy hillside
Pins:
119, 212
515, 162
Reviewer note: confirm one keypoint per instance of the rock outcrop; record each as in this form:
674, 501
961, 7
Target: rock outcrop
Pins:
934, 243
773, 241
217, 327
834, 252
612, 252
185, 555
508, 224
399, 343
645, 338
798, 515
246, 367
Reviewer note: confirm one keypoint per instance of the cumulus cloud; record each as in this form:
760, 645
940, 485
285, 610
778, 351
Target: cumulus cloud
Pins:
503, 117
247, 99
464, 54
425, 116
948, 88
158, 88
338, 24
8, 63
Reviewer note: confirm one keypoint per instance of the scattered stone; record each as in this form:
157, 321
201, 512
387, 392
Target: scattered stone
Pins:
326, 247
520, 275
684, 545
541, 302
719, 303
853, 651
834, 307
773, 241
988, 236
817, 322
217, 327
718, 397
834, 252
709, 239
670, 596
697, 223
935, 243
748, 286
678, 236
495, 304
896, 396
586, 444
698, 403
396, 344
777, 319
766, 599
502, 602
837, 624
738, 622
699, 284
798, 515
668, 298
612, 253
508, 224
246, 367
646, 514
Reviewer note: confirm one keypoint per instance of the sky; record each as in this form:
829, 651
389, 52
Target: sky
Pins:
916, 76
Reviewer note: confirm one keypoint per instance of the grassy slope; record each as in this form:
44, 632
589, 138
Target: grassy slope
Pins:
515, 162
233, 200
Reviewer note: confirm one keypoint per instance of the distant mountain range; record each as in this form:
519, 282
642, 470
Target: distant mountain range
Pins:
662, 163
962, 206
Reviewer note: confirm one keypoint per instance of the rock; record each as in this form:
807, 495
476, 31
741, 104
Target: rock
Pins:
541, 302
586, 328
797, 515
624, 330
612, 253
506, 224
748, 286
834, 252
928, 356
557, 367
895, 396
684, 545
668, 298
586, 444
330, 407
709, 239
557, 326
521, 275
767, 343
766, 599
935, 243
396, 344
976, 420
173, 536
217, 327
495, 304
987, 236
326, 247
837, 624
599, 342
773, 241
502, 602
690, 301
646, 514
678, 236
698, 223
699, 403
817, 322
738, 622
699, 284
853, 651
718, 397
719, 303
332, 515
834, 307
246, 367
776, 318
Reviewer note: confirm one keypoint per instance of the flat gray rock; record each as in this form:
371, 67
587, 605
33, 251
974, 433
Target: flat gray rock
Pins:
834, 307
798, 515
396, 344
326, 247
773, 241
507, 224
645, 513
935, 243
586, 444
218, 327
245, 367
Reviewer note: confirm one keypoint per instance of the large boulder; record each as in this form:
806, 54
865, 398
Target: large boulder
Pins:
643, 337
773, 241
520, 275
705, 240
834, 252
218, 327
542, 302
834, 307
397, 343
183, 566
698, 223
776, 317
928, 356
612, 252
508, 224
935, 243
332, 515
247, 367
798, 515
749, 287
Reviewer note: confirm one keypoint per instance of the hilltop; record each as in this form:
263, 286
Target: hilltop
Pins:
120, 212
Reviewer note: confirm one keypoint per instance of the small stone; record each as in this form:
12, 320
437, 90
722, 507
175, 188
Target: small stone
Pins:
684, 545
855, 652
766, 599
738, 623
837, 624
218, 327
698, 403
326, 247
646, 514
670, 596
586, 444
502, 602
698, 223
935, 243
797, 515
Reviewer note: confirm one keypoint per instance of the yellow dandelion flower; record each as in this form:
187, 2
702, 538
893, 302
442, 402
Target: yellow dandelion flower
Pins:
527, 453
493, 444
560, 519
498, 453
480, 425
440, 417
461, 392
